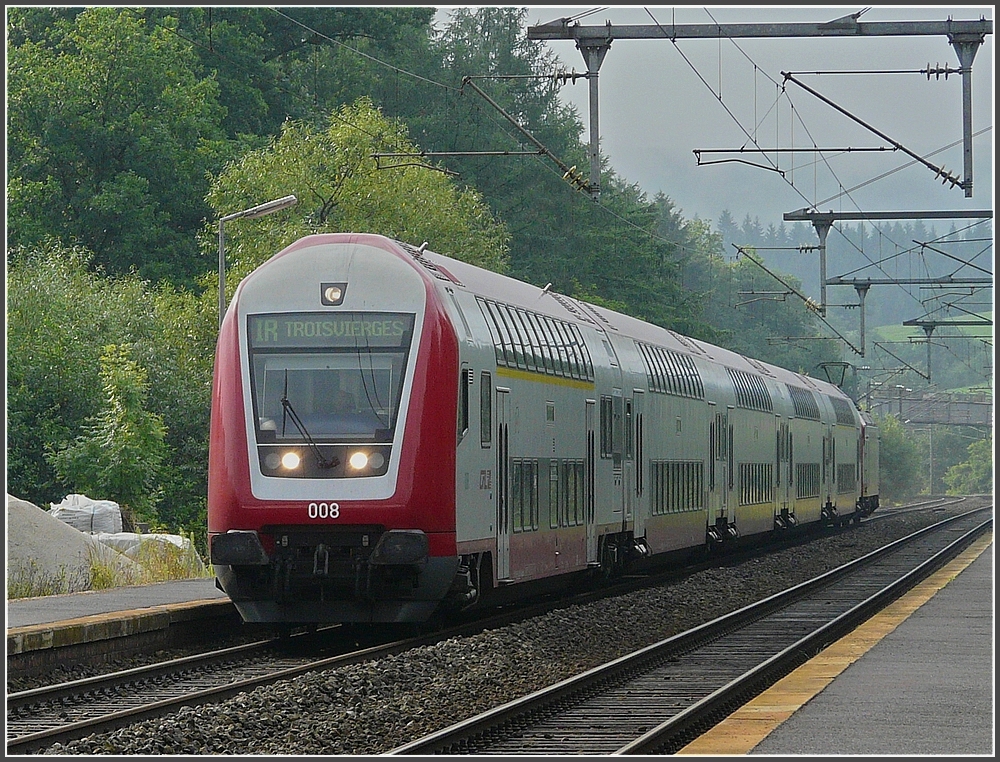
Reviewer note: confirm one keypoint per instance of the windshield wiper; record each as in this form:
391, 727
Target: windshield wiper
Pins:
289, 412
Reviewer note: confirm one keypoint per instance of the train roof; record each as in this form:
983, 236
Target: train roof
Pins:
503, 288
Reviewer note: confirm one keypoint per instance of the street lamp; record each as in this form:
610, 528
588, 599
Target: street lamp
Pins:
255, 211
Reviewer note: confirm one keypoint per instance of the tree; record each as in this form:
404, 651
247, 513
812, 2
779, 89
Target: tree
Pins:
340, 187
974, 476
900, 468
60, 316
110, 137
121, 452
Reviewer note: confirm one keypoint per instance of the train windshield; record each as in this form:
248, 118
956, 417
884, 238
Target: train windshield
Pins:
328, 377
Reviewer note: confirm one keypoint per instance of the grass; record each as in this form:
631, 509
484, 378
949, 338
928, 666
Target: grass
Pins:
152, 561
29, 581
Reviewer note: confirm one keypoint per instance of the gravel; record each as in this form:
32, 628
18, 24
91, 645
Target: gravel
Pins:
372, 708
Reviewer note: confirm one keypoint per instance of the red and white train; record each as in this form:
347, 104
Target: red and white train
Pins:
395, 431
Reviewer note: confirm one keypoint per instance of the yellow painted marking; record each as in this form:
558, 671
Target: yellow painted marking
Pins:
527, 375
751, 724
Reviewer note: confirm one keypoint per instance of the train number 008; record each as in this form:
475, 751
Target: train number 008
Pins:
324, 511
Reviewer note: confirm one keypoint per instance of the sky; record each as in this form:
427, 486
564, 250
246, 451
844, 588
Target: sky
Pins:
659, 102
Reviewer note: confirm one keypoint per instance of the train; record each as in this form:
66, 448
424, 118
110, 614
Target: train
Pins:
397, 433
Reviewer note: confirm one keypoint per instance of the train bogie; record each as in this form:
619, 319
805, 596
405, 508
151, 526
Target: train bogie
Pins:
394, 432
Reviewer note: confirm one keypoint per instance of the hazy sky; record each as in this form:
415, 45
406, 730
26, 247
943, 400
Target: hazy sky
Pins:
656, 108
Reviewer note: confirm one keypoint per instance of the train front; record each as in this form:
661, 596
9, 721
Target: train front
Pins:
332, 453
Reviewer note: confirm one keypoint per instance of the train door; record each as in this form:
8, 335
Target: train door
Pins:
718, 464
827, 460
589, 485
503, 482
617, 440
634, 456
628, 464
730, 462
782, 473
713, 441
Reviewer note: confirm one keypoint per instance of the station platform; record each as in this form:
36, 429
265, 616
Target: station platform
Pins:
53, 629
916, 679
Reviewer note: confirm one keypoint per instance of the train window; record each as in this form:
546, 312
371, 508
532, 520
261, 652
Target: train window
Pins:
807, 478
533, 347
607, 424
485, 408
562, 348
517, 498
670, 372
524, 494
846, 478
514, 340
756, 480
572, 494
546, 363
504, 344
327, 377
678, 486
535, 342
804, 402
751, 391
550, 412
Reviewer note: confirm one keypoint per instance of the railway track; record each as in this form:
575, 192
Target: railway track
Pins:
659, 698
44, 716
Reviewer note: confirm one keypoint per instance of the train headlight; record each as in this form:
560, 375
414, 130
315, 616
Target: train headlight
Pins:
358, 460
332, 294
290, 460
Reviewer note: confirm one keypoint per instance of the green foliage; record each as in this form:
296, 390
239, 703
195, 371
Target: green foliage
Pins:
340, 188
974, 476
110, 136
29, 580
900, 467
59, 318
121, 452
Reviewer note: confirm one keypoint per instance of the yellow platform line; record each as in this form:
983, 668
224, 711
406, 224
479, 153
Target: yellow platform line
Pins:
749, 725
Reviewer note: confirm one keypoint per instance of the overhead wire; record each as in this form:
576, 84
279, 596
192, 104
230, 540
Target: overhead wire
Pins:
798, 116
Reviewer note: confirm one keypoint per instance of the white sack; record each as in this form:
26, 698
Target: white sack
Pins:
88, 515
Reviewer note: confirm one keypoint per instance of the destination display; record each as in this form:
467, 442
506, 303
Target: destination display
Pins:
323, 329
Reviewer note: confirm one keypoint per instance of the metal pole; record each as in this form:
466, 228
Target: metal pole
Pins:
260, 210
594, 50
966, 46
222, 273
822, 226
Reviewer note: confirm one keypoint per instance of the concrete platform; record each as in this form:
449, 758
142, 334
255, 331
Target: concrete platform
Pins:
46, 631
918, 678
24, 612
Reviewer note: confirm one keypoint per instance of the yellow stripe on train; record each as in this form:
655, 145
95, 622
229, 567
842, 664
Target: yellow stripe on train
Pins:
544, 378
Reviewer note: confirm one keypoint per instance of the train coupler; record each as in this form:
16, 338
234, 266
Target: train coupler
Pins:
721, 533
639, 548
784, 520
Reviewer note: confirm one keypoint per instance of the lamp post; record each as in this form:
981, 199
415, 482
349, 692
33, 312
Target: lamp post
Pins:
255, 211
